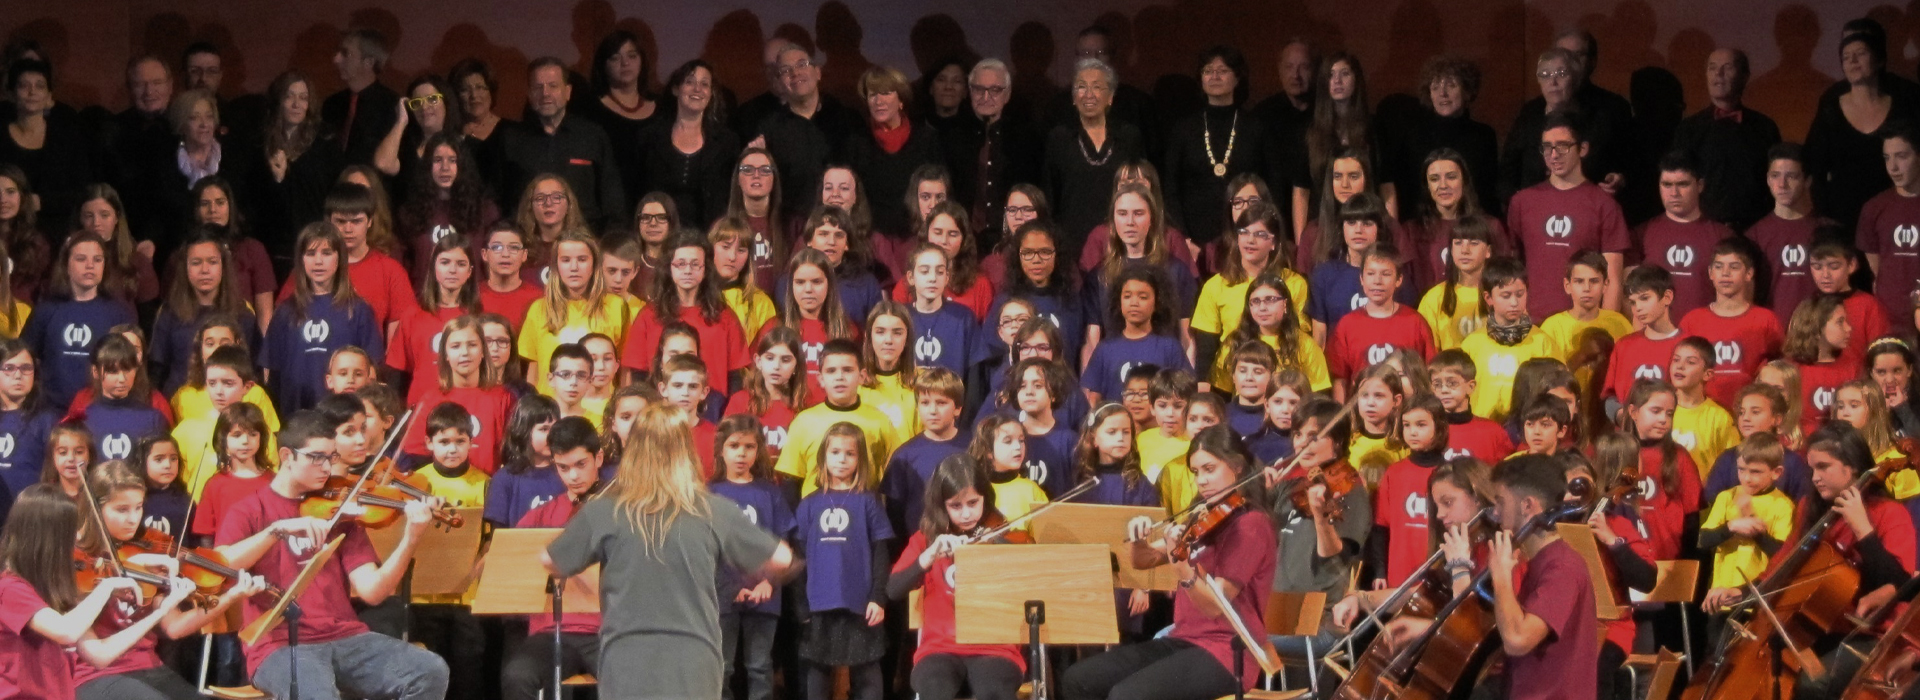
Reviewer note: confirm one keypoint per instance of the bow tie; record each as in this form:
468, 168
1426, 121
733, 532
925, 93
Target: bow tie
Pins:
1732, 115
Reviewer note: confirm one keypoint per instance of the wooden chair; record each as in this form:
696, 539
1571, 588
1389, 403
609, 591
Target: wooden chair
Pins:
1678, 583
1663, 667
1291, 614
224, 624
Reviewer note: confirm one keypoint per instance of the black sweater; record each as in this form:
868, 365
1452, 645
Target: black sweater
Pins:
884, 175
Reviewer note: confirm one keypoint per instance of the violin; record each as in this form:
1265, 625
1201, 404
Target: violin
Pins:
382, 505
994, 529
1339, 479
150, 584
1202, 523
206, 568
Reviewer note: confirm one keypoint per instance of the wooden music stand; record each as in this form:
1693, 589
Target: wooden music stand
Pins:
1580, 537
522, 587
445, 559
1034, 594
263, 624
1084, 523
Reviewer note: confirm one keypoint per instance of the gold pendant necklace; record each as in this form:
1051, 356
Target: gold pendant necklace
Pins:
1206, 138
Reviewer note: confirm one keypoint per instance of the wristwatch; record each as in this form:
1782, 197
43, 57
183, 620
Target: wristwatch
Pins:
1187, 583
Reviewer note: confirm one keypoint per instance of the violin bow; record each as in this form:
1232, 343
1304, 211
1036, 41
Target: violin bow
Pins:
100, 522
1292, 462
398, 429
193, 497
1011, 523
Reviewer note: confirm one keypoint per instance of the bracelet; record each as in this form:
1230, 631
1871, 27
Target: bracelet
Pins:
1462, 573
1460, 563
1187, 583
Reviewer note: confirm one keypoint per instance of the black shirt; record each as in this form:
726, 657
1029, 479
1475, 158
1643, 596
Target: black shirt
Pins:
1843, 165
373, 118
578, 151
987, 160
140, 147
1732, 157
66, 162
699, 182
884, 175
1288, 128
803, 146
1606, 127
1079, 178
624, 134
1429, 132
1196, 197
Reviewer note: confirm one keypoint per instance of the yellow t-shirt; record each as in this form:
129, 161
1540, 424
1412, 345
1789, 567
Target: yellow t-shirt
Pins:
801, 455
1904, 484
1163, 459
11, 328
1739, 555
1016, 497
1706, 430
1312, 362
1372, 455
894, 399
1449, 330
754, 312
468, 490
1220, 306
536, 343
194, 433
1565, 328
1495, 366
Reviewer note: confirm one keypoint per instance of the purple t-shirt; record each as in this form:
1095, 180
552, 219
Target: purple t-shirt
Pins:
297, 350
944, 338
1785, 245
839, 528
1890, 228
118, 423
1050, 458
1113, 490
511, 496
762, 503
63, 334
908, 471
1106, 373
23, 446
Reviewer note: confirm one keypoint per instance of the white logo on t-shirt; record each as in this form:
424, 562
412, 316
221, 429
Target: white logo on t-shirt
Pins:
77, 335
813, 351
157, 524
949, 577
776, 437
1377, 354
1726, 352
1680, 256
1793, 256
1416, 506
1559, 226
441, 231
116, 446
1648, 487
1822, 399
926, 348
1453, 454
1906, 235
1648, 371
1358, 301
315, 331
1037, 470
753, 515
1503, 365
436, 342
835, 520
1686, 439
6, 444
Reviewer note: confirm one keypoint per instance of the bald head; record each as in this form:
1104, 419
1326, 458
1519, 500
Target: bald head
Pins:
150, 84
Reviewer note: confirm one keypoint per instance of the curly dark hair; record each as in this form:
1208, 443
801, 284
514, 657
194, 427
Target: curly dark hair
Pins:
466, 200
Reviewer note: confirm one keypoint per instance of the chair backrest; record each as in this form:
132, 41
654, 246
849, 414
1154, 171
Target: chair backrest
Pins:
1676, 582
1290, 613
1664, 670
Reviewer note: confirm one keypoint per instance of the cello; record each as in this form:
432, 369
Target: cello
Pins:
1894, 665
1807, 596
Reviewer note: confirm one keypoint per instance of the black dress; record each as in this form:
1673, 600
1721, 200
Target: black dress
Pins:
802, 147
987, 160
60, 169
884, 175
1287, 127
625, 135
699, 182
1079, 178
1731, 153
1843, 165
1196, 196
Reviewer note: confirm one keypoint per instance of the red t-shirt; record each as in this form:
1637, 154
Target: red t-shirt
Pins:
1818, 382
1890, 521
1400, 505
1477, 437
1890, 228
555, 513
703, 433
1361, 340
1558, 590
489, 407
218, 495
38, 668
1242, 551
1551, 225
773, 421
977, 298
1784, 244
813, 339
415, 348
513, 305
119, 614
1665, 513
1637, 356
936, 610
723, 345
327, 606
1741, 344
380, 281
1684, 250
1868, 320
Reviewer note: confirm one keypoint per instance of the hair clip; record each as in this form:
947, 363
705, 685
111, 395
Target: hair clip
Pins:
1889, 340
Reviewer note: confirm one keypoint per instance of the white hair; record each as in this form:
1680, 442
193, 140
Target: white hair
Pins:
1106, 71
991, 64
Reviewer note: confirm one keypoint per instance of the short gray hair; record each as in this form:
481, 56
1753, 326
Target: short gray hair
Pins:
991, 64
1106, 71
790, 46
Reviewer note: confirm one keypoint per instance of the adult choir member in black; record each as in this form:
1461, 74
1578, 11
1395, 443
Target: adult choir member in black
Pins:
660, 540
1729, 142
362, 112
1083, 155
554, 141
1195, 662
1206, 150
1843, 145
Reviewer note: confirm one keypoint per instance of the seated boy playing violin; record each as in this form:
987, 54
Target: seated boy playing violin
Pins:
271, 534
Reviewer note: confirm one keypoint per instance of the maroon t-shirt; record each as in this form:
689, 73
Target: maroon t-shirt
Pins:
1551, 225
773, 421
555, 513
1242, 551
1741, 344
1558, 590
1784, 244
1869, 322
118, 615
1890, 228
723, 345
1684, 250
327, 605
1362, 340
1636, 356
38, 668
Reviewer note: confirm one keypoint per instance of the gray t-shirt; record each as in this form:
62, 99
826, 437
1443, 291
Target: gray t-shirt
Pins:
1300, 568
660, 615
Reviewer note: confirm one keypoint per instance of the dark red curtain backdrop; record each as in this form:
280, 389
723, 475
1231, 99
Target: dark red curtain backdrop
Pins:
1650, 48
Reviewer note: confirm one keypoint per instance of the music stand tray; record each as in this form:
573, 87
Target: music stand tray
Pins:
518, 586
263, 624
1086, 523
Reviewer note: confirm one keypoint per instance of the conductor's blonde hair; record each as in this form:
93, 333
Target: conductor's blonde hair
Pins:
659, 477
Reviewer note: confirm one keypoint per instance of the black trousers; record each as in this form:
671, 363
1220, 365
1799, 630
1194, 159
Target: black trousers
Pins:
1612, 657
863, 681
152, 684
942, 676
454, 633
529, 667
1161, 669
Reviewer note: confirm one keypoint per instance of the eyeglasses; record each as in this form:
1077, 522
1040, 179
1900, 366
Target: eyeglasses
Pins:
1562, 148
688, 265
1243, 202
655, 219
550, 198
1036, 254
317, 457
572, 376
507, 248
1014, 321
1264, 301
1022, 211
1259, 233
1037, 347
1447, 384
499, 342
1135, 395
788, 71
1217, 73
761, 170
415, 103
993, 91
1553, 74
16, 370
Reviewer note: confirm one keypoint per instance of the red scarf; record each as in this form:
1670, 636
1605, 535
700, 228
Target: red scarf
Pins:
892, 140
